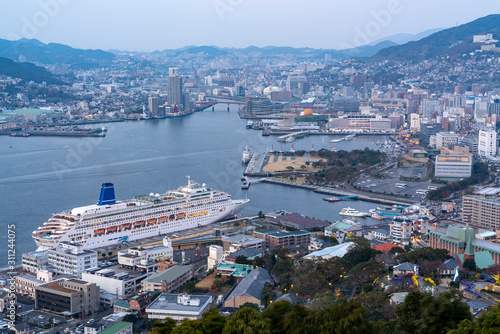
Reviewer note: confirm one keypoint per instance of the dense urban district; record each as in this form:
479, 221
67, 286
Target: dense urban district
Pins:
428, 263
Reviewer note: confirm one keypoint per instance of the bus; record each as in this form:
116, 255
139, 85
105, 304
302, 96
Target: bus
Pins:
432, 187
400, 185
422, 191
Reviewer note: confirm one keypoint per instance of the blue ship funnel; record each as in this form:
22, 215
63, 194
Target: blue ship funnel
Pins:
107, 194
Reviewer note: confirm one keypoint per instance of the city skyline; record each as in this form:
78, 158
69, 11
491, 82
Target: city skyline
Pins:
228, 23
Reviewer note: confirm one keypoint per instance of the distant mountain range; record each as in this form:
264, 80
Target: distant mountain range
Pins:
214, 51
452, 42
405, 38
35, 51
26, 71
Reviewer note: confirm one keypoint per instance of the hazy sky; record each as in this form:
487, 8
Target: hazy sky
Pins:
149, 25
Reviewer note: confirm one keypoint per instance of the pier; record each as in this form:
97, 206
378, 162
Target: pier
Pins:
340, 193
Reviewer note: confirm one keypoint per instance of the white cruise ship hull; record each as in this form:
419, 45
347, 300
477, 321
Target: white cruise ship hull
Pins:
122, 222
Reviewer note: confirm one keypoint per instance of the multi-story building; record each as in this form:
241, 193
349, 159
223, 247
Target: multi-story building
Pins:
153, 105
401, 230
215, 253
276, 238
453, 166
168, 280
178, 307
175, 90
446, 139
427, 130
32, 261
457, 238
26, 284
70, 296
116, 280
138, 257
71, 258
482, 211
241, 241
429, 107
487, 145
120, 327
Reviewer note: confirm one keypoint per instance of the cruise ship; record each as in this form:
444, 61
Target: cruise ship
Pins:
111, 222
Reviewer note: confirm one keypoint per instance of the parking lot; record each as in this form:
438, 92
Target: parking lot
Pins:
388, 185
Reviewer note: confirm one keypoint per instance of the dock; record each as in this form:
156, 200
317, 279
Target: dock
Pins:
340, 193
258, 161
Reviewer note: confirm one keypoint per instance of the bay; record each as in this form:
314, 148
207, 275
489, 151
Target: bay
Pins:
40, 176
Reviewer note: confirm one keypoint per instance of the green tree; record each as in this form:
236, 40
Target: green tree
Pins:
431, 315
487, 323
164, 327
247, 321
276, 313
130, 318
360, 252
470, 264
251, 305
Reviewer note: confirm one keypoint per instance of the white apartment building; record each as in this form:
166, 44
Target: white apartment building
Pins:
487, 145
401, 230
70, 258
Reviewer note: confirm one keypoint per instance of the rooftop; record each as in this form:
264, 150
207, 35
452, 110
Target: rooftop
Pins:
338, 250
167, 302
168, 275
252, 284
242, 239
115, 328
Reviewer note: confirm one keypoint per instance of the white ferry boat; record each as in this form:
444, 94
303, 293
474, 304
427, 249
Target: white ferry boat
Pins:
352, 212
111, 222
247, 156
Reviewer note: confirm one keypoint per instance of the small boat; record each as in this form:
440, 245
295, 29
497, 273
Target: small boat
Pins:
377, 216
352, 212
332, 199
290, 139
338, 140
249, 124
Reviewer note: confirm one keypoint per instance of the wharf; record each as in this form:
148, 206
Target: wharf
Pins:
340, 193
258, 161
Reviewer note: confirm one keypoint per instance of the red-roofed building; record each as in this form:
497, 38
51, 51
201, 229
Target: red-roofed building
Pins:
384, 248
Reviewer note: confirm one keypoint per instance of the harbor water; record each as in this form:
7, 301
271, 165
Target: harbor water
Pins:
40, 176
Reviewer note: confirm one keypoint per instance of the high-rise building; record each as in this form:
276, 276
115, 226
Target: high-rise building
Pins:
153, 105
429, 107
175, 90
487, 145
427, 130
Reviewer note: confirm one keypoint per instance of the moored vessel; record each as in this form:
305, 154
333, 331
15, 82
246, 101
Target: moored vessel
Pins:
110, 222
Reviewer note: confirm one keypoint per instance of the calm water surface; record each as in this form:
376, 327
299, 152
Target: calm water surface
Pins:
43, 175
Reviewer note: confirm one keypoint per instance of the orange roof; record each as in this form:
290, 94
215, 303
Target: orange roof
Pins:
384, 248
